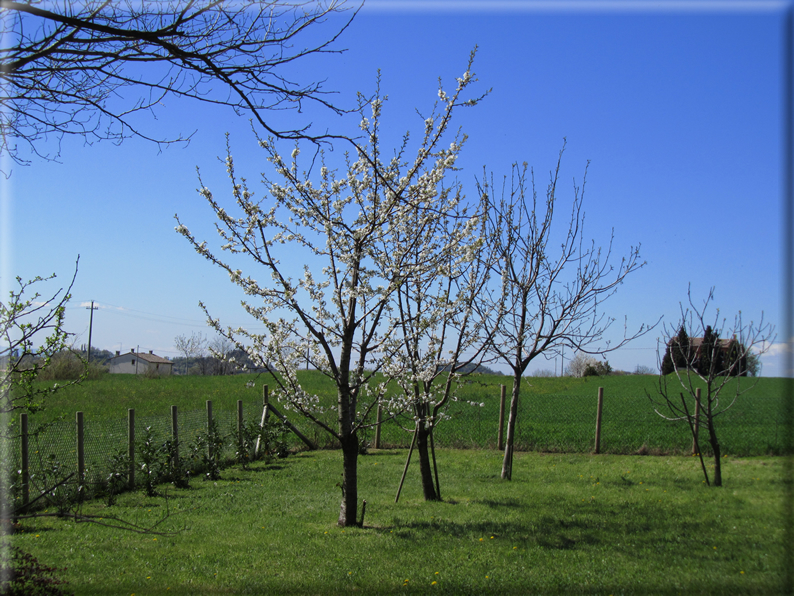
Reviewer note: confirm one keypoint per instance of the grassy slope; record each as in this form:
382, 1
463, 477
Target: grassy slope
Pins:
568, 524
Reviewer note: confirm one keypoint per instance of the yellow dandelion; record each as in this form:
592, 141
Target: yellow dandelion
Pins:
434, 583
436, 572
491, 537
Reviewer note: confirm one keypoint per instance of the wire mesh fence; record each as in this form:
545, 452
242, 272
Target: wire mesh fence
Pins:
556, 423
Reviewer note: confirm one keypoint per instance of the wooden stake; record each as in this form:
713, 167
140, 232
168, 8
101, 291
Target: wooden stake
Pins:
598, 419
405, 471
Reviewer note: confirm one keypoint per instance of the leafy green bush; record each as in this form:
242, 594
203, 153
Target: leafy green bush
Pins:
207, 449
116, 479
152, 457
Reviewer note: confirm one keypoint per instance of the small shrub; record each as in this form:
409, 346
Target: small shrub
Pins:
152, 456
274, 440
58, 494
151, 373
178, 474
116, 476
245, 442
207, 449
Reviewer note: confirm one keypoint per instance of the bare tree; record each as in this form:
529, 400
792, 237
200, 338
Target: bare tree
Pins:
88, 67
711, 368
545, 300
357, 233
192, 348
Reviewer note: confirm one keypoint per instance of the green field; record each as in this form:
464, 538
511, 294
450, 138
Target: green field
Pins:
566, 524
555, 414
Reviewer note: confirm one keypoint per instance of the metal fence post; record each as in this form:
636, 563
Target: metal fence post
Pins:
131, 445
598, 419
500, 439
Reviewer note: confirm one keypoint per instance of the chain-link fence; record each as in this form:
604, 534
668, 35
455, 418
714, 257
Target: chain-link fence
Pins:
555, 423
53, 448
629, 425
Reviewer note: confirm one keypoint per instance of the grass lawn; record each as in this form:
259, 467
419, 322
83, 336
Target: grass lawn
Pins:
566, 524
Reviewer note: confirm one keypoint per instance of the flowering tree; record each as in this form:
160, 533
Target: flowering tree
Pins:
714, 365
365, 226
31, 334
439, 328
545, 300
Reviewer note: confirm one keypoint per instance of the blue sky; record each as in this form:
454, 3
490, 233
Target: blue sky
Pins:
677, 106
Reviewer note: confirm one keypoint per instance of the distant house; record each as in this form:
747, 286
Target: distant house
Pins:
140, 363
731, 359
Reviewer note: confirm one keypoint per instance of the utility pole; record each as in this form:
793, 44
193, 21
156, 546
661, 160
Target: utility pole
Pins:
562, 369
92, 308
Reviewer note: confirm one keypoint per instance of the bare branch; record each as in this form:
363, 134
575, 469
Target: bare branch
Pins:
87, 68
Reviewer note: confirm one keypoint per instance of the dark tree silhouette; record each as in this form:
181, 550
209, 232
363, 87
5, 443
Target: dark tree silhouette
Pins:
87, 67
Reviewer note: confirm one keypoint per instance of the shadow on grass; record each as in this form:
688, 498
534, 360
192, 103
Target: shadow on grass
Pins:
496, 504
524, 587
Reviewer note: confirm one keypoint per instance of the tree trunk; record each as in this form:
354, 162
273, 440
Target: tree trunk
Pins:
507, 464
349, 508
715, 448
425, 466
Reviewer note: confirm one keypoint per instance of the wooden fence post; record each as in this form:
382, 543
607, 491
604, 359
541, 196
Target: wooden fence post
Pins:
500, 439
598, 419
378, 420
210, 453
697, 422
131, 445
23, 422
80, 453
175, 437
